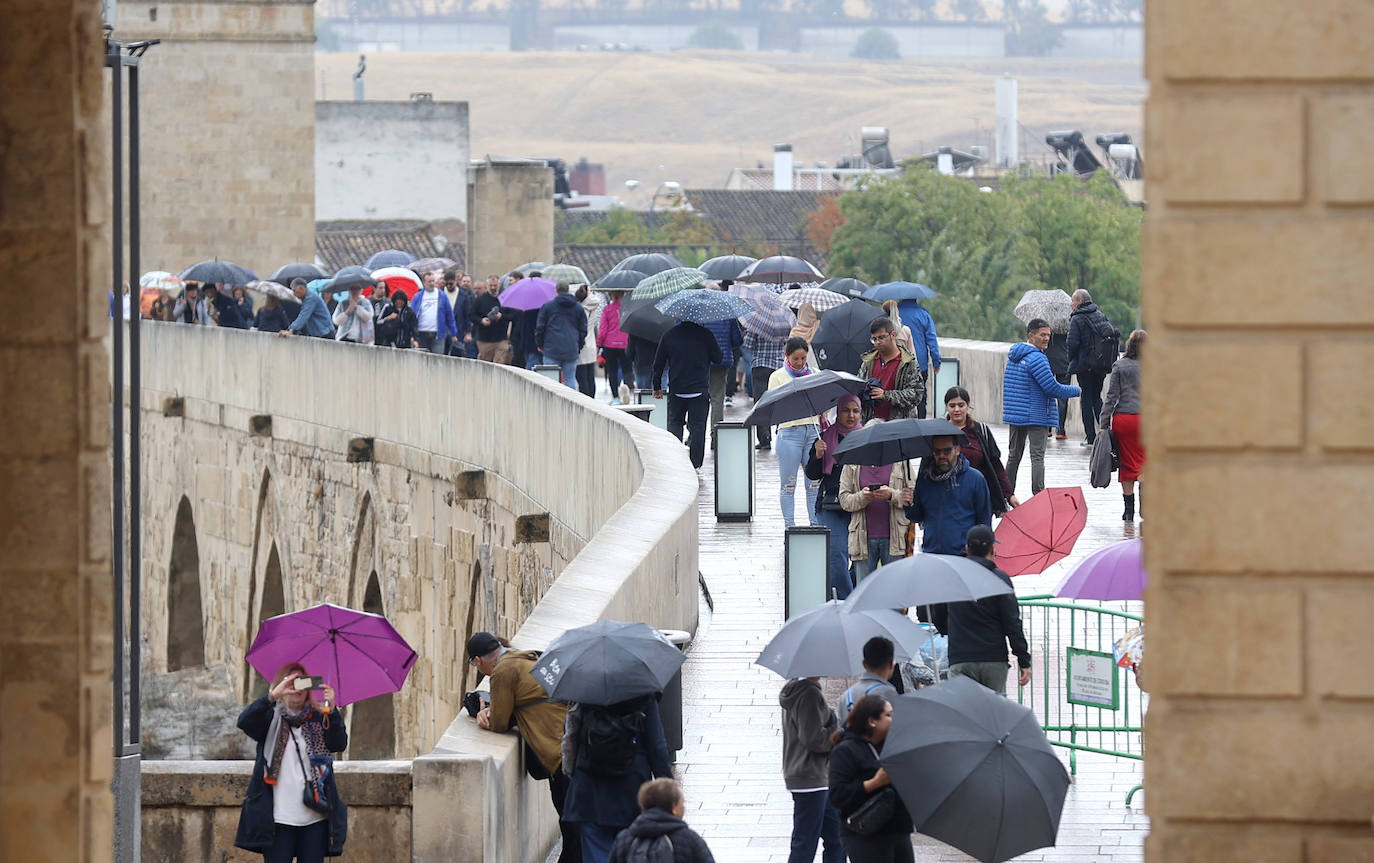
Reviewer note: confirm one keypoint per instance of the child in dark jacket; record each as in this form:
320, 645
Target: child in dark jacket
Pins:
662, 805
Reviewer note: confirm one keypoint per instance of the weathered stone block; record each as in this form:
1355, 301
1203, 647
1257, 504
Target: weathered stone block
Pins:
1340, 849
360, 449
1339, 374
46, 425
1243, 148
1219, 622
1343, 127
1244, 406
1225, 843
260, 425
532, 528
1338, 621
174, 406
471, 485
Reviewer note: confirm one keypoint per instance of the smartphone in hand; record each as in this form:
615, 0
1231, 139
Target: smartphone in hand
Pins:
308, 682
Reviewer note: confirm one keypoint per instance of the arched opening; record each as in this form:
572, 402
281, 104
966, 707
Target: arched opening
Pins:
273, 603
372, 726
185, 625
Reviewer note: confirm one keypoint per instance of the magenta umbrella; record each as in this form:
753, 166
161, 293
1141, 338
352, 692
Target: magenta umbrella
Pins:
528, 294
357, 653
1116, 571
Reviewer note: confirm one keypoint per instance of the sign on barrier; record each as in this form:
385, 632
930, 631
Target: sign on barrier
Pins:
1092, 678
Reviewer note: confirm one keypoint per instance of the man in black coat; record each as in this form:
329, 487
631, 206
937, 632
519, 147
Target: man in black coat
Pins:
980, 631
1058, 353
1087, 324
688, 351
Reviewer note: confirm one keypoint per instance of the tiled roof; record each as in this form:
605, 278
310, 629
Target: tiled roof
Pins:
340, 244
597, 261
764, 222
761, 179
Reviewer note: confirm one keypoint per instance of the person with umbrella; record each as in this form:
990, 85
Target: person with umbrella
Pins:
856, 777
980, 631
765, 355
874, 496
353, 318
612, 341
433, 317
191, 309
243, 301
294, 733
593, 303
795, 437
1092, 353
1121, 416
518, 701
896, 388
396, 326
950, 497
980, 448
314, 319
687, 351
729, 336
821, 466
1029, 391
807, 726
925, 344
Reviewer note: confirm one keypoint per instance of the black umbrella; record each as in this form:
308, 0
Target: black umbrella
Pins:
892, 441
607, 662
726, 266
803, 397
975, 771
620, 280
390, 258
649, 263
780, 270
349, 277
641, 319
217, 272
842, 338
848, 287
309, 272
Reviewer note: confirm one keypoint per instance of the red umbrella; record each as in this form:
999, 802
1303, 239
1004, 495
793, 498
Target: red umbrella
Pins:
1041, 531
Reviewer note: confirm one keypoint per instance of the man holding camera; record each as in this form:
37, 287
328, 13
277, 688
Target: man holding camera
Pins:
895, 387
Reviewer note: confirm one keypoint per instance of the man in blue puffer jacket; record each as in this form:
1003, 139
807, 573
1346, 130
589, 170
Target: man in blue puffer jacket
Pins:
1029, 391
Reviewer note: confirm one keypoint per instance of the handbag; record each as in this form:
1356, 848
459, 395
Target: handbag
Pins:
316, 795
875, 812
1103, 460
830, 500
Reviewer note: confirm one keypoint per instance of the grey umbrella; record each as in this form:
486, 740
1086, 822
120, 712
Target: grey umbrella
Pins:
852, 288
842, 338
892, 441
1054, 307
607, 662
805, 396
975, 771
828, 640
926, 579
726, 267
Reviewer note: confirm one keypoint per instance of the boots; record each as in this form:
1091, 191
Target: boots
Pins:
1129, 514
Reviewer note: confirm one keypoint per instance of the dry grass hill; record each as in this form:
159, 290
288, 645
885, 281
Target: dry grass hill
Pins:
700, 114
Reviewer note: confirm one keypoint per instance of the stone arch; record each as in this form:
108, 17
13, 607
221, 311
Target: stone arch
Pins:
372, 724
266, 583
273, 603
185, 621
364, 546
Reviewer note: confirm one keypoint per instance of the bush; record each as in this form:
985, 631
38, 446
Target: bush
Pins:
715, 37
875, 43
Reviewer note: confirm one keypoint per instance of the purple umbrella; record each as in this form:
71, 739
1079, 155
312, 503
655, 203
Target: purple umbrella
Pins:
1114, 572
357, 653
528, 294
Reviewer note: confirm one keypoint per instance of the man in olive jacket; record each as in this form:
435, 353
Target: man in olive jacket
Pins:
517, 700
901, 387
807, 723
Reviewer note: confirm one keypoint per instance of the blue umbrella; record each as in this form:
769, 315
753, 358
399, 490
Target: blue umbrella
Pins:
349, 277
390, 258
701, 307
899, 291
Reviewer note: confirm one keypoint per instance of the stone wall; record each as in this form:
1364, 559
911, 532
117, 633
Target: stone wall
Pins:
981, 368
510, 214
228, 130
1258, 250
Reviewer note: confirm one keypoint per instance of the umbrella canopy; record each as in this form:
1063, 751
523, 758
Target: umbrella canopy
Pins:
566, 273
642, 319
1116, 571
390, 258
842, 338
528, 294
349, 277
309, 272
852, 288
1041, 531
926, 579
648, 263
318, 285
1052, 306
702, 307
357, 653
726, 266
217, 272
607, 662
159, 280
425, 266
620, 280
828, 640
899, 291
975, 770
780, 270
802, 397
664, 282
273, 289
892, 441
821, 301
767, 316
400, 279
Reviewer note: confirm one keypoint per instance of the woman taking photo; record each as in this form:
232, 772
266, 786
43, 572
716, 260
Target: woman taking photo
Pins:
796, 437
855, 776
1121, 414
292, 810
821, 466
981, 450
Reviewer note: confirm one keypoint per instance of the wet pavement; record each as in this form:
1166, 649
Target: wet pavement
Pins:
731, 763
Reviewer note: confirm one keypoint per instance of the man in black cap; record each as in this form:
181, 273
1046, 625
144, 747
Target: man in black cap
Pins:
517, 700
980, 631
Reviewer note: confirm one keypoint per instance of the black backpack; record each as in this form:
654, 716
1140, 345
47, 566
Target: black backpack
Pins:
609, 741
1105, 345
651, 849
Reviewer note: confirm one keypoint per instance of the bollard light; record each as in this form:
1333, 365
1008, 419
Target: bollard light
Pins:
734, 472
947, 377
806, 569
660, 415
553, 373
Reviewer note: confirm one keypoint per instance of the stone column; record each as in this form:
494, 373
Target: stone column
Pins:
56, 641
1259, 421
510, 214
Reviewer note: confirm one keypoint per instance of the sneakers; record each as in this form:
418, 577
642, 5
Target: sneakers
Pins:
1060, 436
1085, 443
761, 446
729, 401
625, 395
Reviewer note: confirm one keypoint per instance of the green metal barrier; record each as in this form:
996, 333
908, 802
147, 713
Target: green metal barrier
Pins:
1053, 626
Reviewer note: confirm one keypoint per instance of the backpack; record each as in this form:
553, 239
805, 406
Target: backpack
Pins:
609, 742
650, 849
1104, 347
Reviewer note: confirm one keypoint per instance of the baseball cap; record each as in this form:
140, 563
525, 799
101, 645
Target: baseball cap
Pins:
980, 537
482, 643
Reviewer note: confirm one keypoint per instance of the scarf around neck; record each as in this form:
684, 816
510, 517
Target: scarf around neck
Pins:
832, 435
279, 735
929, 471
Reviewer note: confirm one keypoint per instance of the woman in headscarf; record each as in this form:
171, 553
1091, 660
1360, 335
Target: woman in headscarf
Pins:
292, 810
828, 512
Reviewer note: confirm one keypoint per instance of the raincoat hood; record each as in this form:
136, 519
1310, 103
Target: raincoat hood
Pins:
794, 690
656, 822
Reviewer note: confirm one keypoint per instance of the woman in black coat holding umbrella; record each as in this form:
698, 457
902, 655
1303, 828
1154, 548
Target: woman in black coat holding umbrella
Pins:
856, 776
295, 735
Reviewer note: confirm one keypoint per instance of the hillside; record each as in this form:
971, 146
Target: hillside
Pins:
692, 117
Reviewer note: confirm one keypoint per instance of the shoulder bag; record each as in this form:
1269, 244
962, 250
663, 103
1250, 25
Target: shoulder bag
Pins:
316, 795
875, 812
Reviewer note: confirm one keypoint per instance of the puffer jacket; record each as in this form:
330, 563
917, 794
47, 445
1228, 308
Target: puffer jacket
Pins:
608, 332
1029, 389
560, 329
852, 500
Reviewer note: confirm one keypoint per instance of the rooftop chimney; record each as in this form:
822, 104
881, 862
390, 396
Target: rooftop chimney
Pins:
782, 167
1007, 130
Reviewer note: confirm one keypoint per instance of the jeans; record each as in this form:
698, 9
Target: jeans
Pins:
838, 523
470, 349
794, 442
814, 819
747, 363
718, 375
303, 844
617, 367
693, 413
567, 368
597, 840
535, 358
993, 675
1063, 403
1091, 401
879, 552
1016, 445
759, 375
586, 379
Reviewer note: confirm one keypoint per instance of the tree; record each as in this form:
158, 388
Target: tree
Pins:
1030, 33
970, 10
715, 37
875, 43
822, 222
924, 8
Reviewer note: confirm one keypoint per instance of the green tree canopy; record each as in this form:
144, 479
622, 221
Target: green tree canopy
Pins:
875, 43
715, 37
